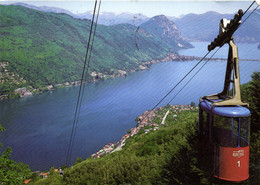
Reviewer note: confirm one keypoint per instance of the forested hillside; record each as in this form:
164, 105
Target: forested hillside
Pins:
39, 49
166, 156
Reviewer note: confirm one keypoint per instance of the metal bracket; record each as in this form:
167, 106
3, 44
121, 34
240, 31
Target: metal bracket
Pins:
232, 66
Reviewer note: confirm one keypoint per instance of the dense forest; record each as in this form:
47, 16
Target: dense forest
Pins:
166, 156
39, 49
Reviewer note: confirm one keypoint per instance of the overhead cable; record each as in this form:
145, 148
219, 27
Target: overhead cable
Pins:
181, 80
193, 76
235, 18
87, 69
76, 115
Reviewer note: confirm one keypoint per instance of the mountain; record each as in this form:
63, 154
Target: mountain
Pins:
108, 18
249, 31
45, 8
194, 27
205, 27
105, 18
200, 27
166, 30
39, 49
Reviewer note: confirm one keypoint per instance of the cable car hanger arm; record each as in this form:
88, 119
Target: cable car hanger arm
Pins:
227, 29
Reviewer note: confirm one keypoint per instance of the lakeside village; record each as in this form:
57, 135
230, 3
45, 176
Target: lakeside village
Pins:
16, 80
144, 120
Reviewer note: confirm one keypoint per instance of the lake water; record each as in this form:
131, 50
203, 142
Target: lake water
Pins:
38, 127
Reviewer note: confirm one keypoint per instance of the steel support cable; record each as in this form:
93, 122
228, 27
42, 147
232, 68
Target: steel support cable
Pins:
80, 91
201, 60
89, 56
249, 7
193, 76
214, 53
248, 16
93, 38
87, 68
181, 80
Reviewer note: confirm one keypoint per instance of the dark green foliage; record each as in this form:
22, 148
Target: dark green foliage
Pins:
193, 104
145, 159
54, 178
250, 94
78, 160
167, 156
11, 172
47, 48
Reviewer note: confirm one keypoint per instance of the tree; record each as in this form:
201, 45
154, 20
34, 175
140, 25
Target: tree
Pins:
250, 94
192, 104
78, 160
11, 172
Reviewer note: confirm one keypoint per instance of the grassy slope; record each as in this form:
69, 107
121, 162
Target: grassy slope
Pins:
47, 48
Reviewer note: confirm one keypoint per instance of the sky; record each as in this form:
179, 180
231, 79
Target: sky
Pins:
148, 8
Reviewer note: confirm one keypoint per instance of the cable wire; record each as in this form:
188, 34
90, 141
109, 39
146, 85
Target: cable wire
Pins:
76, 115
249, 7
86, 74
181, 80
194, 75
248, 16
199, 63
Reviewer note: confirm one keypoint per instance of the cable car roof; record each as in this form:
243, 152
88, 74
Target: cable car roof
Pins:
229, 111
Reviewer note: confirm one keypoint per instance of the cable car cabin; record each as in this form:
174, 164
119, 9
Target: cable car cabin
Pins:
224, 136
224, 120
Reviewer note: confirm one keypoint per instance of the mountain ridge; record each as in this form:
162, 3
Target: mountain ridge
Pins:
205, 27
166, 29
194, 27
47, 48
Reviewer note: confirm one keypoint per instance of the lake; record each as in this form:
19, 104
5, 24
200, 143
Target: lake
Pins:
38, 127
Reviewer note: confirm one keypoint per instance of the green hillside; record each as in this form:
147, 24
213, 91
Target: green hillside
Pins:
46, 48
166, 156
146, 158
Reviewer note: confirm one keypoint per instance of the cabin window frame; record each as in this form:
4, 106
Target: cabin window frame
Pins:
204, 123
236, 125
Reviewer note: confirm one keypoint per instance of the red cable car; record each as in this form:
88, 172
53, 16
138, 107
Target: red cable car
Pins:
225, 131
224, 120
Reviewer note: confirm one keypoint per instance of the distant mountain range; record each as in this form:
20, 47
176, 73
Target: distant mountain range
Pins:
105, 18
205, 27
194, 27
45, 8
40, 48
108, 18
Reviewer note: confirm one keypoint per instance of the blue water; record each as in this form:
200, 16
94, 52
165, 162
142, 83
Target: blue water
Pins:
245, 51
38, 127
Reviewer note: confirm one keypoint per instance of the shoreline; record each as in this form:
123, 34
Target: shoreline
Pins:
144, 120
98, 76
28, 90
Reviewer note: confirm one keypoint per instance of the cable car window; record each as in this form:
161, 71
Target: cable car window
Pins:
244, 131
230, 132
222, 122
235, 125
205, 123
222, 131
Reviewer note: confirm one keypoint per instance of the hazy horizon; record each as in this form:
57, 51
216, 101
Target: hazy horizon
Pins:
147, 8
